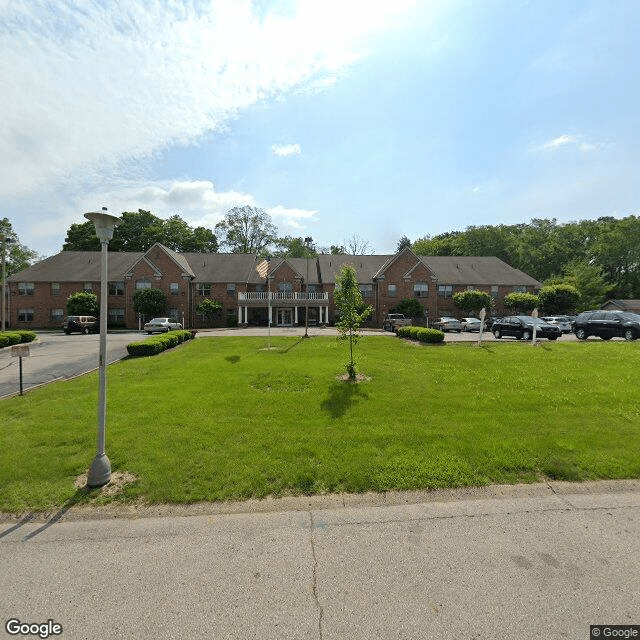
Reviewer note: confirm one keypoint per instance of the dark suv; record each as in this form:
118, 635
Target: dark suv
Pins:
522, 327
81, 324
607, 325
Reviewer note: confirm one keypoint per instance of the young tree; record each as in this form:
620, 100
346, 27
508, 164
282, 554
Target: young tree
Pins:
349, 301
472, 300
150, 302
83, 303
247, 230
410, 307
559, 298
525, 302
356, 246
209, 308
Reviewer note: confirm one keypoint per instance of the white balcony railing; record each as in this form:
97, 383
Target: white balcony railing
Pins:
288, 296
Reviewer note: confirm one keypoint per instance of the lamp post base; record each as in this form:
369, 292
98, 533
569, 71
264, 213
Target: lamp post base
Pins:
99, 472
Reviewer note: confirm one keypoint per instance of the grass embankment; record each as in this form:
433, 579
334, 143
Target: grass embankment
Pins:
224, 418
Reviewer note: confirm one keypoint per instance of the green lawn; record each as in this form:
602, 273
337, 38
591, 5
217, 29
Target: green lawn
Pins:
225, 418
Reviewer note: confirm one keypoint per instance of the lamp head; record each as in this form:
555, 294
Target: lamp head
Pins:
104, 222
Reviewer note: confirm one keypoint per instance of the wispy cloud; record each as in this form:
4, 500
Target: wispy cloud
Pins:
291, 218
286, 150
90, 86
575, 141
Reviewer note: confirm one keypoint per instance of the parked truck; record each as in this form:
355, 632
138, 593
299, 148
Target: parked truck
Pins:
395, 320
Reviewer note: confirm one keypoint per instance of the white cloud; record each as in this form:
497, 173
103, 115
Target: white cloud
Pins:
291, 218
196, 202
575, 141
285, 150
89, 86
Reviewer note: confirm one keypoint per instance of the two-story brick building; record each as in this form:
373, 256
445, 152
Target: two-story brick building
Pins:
295, 286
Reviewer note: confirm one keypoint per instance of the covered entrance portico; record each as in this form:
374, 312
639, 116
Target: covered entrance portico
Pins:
315, 303
284, 317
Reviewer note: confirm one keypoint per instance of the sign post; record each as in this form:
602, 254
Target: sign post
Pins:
534, 315
483, 313
20, 351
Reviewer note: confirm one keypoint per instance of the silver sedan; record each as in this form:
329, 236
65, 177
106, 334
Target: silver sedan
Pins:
161, 325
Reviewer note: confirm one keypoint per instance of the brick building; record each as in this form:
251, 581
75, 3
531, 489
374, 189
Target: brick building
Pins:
296, 286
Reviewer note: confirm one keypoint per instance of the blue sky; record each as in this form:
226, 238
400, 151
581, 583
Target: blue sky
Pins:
340, 118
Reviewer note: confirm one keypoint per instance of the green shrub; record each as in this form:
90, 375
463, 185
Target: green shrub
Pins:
4, 340
26, 335
159, 343
421, 333
14, 337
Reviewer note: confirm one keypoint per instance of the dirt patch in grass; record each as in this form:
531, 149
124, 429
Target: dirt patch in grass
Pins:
117, 483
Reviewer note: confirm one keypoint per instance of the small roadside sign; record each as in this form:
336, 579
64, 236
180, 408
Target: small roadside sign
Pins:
20, 350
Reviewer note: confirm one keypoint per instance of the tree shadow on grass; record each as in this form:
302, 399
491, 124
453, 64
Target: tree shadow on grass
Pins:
342, 395
232, 359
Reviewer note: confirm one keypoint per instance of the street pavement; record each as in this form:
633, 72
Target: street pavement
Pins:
541, 561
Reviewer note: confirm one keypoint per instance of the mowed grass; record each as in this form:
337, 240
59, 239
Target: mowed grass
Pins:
225, 418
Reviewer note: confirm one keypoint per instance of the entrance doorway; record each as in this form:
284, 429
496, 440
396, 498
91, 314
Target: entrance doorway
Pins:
284, 317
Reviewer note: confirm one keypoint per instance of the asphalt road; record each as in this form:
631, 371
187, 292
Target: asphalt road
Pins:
524, 562
56, 356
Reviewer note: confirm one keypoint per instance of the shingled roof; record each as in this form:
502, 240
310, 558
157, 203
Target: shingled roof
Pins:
478, 270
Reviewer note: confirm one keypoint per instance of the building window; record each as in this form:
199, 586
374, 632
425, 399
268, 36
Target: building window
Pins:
519, 288
445, 290
174, 315
366, 290
494, 290
116, 288
312, 288
55, 289
392, 291
25, 315
204, 288
174, 288
116, 316
260, 287
285, 287
420, 289
471, 287
26, 288
143, 283
57, 315
231, 288
88, 286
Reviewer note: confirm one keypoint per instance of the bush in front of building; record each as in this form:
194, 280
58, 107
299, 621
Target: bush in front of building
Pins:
159, 343
422, 334
8, 338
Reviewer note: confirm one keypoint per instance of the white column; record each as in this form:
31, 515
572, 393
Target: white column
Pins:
246, 315
270, 315
295, 321
239, 315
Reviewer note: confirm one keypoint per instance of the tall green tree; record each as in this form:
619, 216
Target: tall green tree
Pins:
473, 300
150, 302
411, 308
138, 231
403, 243
209, 308
18, 256
289, 247
247, 230
83, 303
559, 299
352, 311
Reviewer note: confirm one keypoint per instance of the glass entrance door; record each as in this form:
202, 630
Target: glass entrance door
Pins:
284, 318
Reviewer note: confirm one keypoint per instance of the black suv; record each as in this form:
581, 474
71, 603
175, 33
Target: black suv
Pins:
607, 325
82, 324
522, 327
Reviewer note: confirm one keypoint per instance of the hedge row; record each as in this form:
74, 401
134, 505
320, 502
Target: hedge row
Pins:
9, 338
159, 343
421, 333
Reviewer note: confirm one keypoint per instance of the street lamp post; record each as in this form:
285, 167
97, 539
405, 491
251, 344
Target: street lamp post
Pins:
100, 470
5, 239
307, 242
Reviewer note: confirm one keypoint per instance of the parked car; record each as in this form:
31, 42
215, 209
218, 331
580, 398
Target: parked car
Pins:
395, 320
564, 322
446, 324
470, 324
81, 324
161, 325
607, 325
521, 327
488, 322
